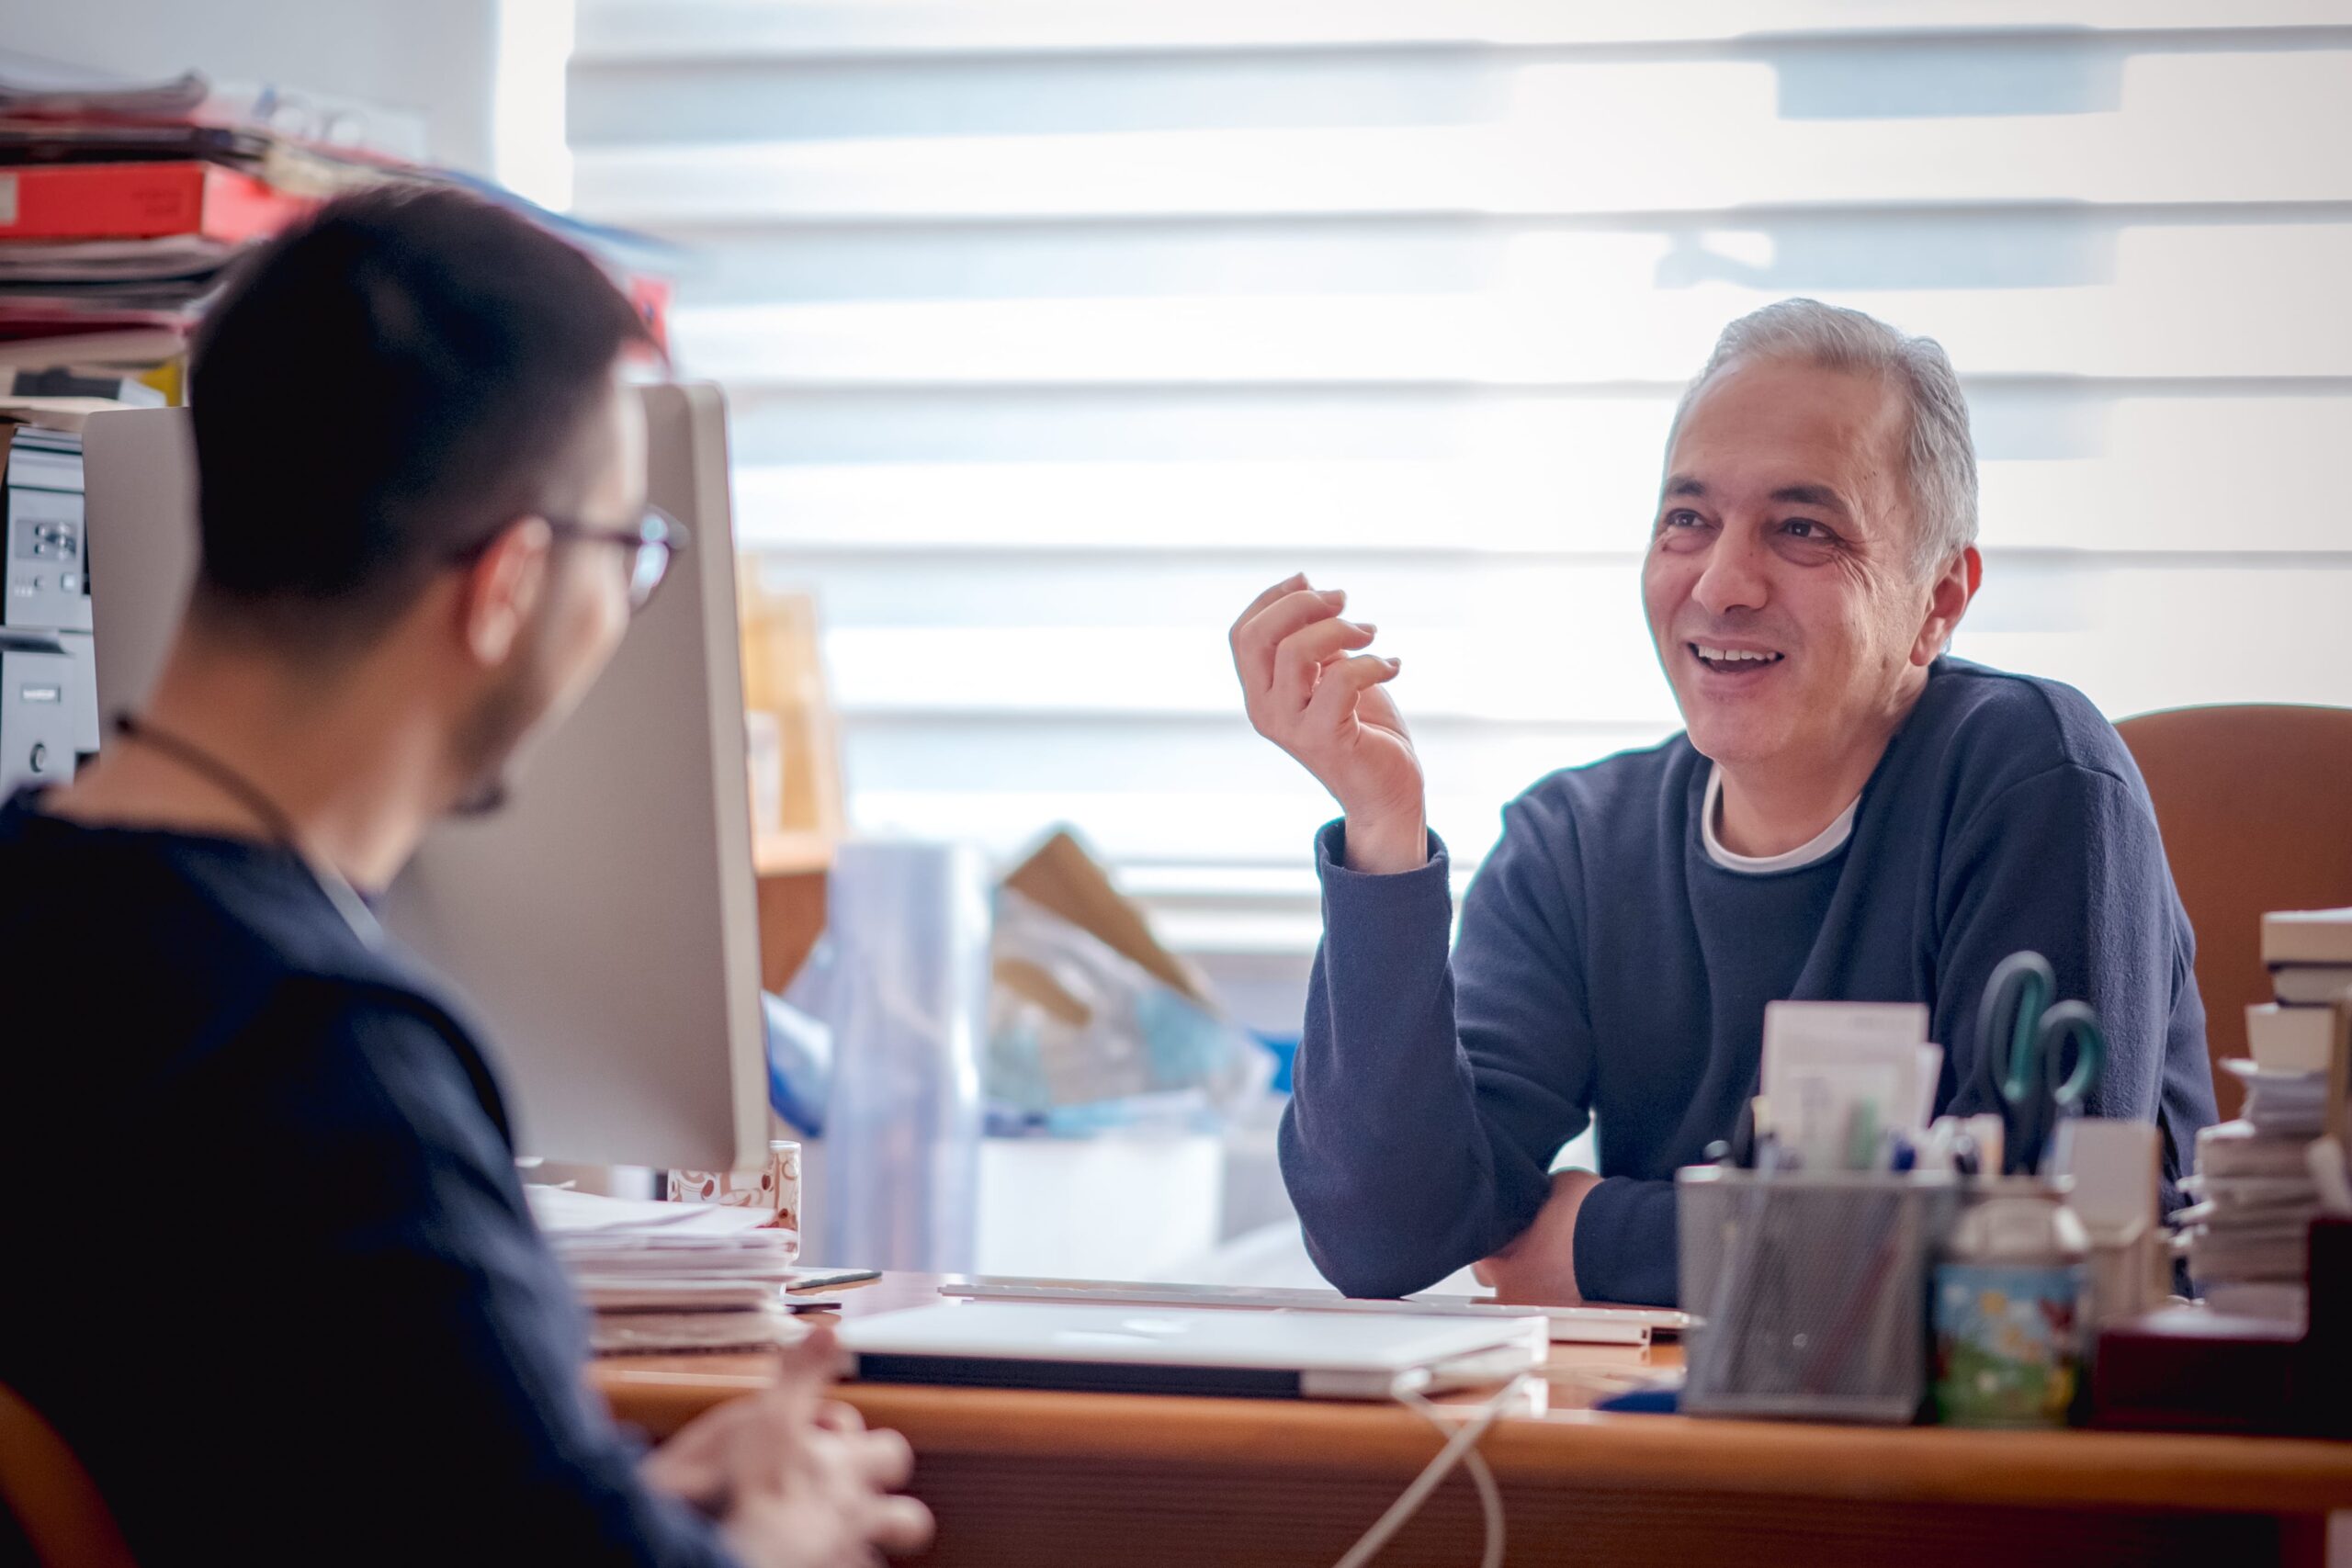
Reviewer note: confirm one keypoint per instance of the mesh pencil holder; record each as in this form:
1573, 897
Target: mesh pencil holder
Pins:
1809, 1292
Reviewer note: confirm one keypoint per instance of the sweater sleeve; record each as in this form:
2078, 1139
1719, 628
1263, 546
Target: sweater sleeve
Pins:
1431, 1094
2067, 863
1627, 1242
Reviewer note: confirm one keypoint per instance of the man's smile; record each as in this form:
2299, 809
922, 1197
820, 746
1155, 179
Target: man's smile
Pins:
1731, 662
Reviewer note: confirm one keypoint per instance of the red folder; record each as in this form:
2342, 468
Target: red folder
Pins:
139, 201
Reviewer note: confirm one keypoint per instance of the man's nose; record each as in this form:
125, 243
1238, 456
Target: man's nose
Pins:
1734, 577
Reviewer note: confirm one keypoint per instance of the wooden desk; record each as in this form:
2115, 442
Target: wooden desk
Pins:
1094, 1481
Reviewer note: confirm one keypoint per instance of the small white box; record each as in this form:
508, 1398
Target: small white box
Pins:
2289, 1039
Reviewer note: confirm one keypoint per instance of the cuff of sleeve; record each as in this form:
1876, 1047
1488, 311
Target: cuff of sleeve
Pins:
1625, 1244
1331, 861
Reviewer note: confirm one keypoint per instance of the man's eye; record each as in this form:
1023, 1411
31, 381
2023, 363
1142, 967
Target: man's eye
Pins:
1805, 529
1682, 518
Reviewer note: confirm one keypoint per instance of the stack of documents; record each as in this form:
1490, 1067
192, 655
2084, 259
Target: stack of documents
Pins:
2281, 1103
2261, 1179
123, 202
2256, 1195
29, 84
672, 1276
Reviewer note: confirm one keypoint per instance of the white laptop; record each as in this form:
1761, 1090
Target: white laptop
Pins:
1573, 1325
1123, 1349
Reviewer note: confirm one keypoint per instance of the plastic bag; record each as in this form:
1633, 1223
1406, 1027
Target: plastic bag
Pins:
1081, 1037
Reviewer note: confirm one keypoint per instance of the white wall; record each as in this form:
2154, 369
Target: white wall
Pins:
434, 59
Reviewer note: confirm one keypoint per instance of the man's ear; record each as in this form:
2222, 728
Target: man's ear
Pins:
502, 590
1948, 597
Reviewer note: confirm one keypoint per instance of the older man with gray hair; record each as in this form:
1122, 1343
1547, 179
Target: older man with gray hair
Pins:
1849, 814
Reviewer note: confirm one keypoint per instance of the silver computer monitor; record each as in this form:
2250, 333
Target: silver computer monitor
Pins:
605, 922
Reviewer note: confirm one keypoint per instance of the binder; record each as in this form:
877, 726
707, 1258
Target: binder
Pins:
140, 201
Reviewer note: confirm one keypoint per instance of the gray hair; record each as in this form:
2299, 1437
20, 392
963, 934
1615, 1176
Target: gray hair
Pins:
1941, 459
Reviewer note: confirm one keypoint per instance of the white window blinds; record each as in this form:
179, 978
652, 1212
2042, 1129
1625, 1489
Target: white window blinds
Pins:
1055, 331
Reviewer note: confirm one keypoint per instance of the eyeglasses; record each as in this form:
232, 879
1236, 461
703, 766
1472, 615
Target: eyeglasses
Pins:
657, 539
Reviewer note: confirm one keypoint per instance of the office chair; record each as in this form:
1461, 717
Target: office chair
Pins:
2255, 803
54, 1504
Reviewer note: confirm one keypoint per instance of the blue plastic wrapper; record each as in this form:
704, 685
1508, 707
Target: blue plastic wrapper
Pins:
1082, 1039
800, 1063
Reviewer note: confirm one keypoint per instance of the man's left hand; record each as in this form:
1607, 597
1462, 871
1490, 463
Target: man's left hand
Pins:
1539, 1268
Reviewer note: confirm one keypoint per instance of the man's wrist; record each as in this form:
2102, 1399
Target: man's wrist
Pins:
1538, 1266
1385, 847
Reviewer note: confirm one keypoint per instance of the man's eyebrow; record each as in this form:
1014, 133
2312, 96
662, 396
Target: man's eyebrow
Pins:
1685, 484
1810, 495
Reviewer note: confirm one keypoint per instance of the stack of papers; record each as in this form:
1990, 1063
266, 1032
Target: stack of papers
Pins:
671, 1277
2281, 1103
29, 83
2254, 1189
2262, 1177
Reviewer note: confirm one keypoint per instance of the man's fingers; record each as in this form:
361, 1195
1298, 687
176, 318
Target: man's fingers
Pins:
885, 1458
1299, 661
1343, 681
1290, 584
1255, 640
835, 1417
693, 1465
804, 1371
900, 1523
814, 1356
1375, 707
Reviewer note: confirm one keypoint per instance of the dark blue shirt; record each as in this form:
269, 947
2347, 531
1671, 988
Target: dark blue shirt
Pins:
270, 1272
1610, 971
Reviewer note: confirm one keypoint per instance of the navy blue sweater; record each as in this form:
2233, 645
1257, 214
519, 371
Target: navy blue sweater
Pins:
1608, 971
270, 1272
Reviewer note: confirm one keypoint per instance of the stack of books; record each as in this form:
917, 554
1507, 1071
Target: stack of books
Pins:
2308, 954
2257, 1183
2256, 1196
671, 1276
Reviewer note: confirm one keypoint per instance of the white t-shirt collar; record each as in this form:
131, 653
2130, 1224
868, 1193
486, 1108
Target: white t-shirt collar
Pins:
1821, 846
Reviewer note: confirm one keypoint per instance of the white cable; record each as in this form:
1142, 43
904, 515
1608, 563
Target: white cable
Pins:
1462, 1444
1490, 1496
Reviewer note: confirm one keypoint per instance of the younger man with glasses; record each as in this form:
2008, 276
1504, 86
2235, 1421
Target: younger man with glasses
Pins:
271, 1275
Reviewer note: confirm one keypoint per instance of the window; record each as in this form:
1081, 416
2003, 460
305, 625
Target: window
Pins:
1055, 331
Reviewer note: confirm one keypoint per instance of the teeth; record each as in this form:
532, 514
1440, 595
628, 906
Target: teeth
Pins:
1732, 655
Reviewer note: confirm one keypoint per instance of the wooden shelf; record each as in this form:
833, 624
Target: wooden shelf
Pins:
792, 854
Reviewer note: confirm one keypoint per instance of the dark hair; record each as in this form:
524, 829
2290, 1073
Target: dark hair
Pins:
382, 388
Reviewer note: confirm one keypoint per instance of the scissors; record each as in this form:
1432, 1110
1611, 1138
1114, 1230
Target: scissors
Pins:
2022, 1044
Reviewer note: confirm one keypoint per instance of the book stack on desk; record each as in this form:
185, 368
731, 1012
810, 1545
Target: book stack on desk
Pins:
2256, 1199
671, 1277
2309, 955
2255, 1182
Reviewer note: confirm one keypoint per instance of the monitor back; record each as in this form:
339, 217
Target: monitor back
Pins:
604, 923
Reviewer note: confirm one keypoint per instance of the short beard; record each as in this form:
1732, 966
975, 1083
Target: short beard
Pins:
486, 742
